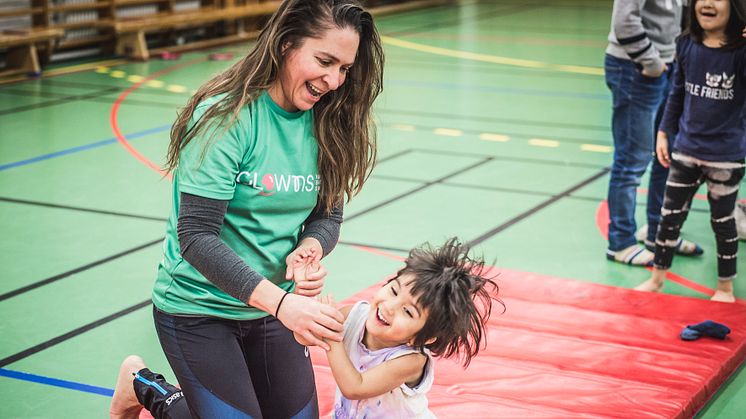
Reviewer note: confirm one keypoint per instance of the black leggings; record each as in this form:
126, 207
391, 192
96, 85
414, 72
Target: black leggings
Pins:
232, 369
684, 177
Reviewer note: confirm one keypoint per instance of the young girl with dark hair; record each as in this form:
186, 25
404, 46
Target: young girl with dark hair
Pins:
436, 306
706, 112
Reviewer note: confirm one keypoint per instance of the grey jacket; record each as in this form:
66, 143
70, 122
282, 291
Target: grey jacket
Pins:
645, 31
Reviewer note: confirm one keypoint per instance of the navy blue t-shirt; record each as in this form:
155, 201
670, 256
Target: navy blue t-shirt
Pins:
706, 102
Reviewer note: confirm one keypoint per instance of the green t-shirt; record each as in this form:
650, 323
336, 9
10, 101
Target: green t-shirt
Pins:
265, 165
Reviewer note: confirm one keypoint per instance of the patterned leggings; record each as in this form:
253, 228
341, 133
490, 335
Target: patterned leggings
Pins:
684, 177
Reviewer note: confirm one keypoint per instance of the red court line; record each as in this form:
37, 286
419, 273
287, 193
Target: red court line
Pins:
118, 102
380, 252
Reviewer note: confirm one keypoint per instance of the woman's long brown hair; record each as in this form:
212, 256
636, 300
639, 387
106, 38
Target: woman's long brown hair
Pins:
342, 118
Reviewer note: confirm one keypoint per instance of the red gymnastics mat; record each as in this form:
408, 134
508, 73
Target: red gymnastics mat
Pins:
575, 349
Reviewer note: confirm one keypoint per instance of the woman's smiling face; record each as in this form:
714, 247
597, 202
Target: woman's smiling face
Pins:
317, 66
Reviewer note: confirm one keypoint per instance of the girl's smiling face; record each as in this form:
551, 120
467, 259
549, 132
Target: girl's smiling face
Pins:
395, 316
713, 16
314, 68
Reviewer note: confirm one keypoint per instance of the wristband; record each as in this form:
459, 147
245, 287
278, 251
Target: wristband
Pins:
277, 310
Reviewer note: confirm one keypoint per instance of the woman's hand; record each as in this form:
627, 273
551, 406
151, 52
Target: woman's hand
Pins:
661, 149
328, 300
311, 320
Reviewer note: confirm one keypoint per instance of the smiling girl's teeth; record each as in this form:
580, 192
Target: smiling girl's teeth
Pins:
380, 317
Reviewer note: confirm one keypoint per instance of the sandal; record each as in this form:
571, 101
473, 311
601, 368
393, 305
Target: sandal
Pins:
683, 247
634, 255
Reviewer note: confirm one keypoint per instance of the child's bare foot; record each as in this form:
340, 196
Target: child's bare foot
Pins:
651, 285
724, 292
723, 297
654, 283
124, 404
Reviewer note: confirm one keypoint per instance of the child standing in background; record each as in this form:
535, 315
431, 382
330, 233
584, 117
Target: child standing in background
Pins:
436, 306
706, 112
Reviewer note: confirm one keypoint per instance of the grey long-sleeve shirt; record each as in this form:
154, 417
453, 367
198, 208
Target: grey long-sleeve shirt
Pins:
645, 31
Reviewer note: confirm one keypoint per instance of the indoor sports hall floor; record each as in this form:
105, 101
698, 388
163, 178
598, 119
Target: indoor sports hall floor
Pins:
493, 126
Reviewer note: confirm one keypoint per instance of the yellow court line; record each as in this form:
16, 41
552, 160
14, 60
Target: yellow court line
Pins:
448, 132
597, 148
82, 67
594, 71
488, 136
175, 88
540, 142
404, 127
66, 70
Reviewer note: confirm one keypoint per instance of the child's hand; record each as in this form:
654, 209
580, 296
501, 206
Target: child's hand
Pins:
328, 300
304, 268
298, 262
311, 281
661, 149
300, 256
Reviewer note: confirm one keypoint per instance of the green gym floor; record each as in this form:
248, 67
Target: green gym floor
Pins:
493, 126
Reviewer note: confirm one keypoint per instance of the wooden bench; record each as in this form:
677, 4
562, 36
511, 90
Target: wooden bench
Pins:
22, 56
131, 33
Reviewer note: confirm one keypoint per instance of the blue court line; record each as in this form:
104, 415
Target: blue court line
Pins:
56, 382
508, 90
85, 147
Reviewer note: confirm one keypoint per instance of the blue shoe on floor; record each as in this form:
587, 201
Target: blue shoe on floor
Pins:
706, 328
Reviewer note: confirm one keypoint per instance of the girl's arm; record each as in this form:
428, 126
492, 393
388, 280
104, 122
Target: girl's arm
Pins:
376, 381
675, 103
